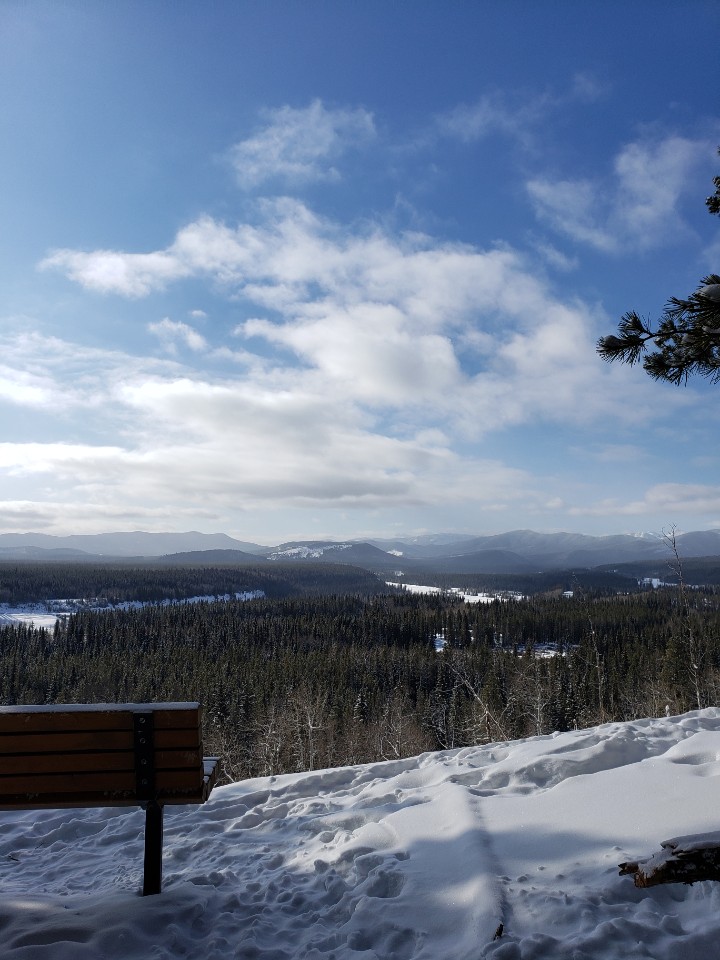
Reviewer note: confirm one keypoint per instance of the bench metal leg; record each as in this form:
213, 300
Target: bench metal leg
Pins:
152, 875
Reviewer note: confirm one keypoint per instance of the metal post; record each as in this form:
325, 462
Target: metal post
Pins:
152, 866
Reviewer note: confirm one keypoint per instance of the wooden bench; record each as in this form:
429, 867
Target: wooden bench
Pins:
106, 755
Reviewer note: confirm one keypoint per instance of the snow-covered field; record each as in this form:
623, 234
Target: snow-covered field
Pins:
465, 595
37, 614
44, 615
409, 859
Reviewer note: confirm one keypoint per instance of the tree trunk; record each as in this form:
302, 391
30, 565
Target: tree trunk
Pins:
682, 860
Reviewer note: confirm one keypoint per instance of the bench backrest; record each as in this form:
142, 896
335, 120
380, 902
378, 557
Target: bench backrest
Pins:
97, 755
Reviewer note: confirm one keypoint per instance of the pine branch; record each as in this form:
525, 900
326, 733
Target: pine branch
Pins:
687, 337
713, 202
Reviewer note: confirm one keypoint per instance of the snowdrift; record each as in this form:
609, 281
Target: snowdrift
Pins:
416, 859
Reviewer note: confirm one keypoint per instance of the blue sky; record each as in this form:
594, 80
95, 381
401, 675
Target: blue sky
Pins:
337, 269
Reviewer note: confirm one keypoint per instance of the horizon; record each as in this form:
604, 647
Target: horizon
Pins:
251, 283
451, 535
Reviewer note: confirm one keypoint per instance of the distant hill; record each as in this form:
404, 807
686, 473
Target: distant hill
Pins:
40, 554
517, 552
134, 544
215, 558
356, 554
696, 570
483, 561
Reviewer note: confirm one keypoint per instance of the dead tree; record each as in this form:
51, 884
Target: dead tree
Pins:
681, 860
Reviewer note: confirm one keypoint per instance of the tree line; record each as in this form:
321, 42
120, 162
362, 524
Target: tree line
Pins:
299, 683
23, 582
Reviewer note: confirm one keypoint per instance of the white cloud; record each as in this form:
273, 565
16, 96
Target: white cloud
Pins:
229, 443
71, 459
60, 377
25, 388
496, 113
663, 499
371, 350
108, 271
572, 207
554, 257
586, 88
402, 322
371, 364
299, 145
635, 207
285, 437
488, 115
170, 331
59, 517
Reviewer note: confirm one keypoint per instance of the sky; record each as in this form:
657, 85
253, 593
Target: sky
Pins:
321, 270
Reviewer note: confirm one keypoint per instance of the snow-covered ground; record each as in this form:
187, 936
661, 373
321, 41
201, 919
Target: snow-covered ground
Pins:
465, 595
409, 859
45, 614
37, 614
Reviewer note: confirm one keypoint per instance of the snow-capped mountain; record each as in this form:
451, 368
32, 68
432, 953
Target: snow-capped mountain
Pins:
518, 551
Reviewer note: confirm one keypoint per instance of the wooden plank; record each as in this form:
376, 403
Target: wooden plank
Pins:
88, 762
171, 719
84, 740
60, 717
83, 755
66, 802
79, 801
35, 708
48, 723
96, 782
59, 763
177, 740
59, 801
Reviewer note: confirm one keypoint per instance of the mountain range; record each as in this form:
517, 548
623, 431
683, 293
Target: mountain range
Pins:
518, 551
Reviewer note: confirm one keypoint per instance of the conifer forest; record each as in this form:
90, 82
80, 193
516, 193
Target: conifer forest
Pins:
332, 667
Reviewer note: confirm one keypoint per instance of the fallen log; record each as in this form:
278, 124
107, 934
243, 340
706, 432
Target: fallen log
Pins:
681, 860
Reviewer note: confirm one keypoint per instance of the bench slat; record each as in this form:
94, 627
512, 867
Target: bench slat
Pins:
110, 781
81, 740
96, 717
199, 793
65, 801
88, 762
106, 755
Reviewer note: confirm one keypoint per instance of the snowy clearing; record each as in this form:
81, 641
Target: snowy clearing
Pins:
465, 595
416, 859
46, 614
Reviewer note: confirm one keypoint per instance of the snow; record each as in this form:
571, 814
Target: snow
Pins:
43, 615
465, 595
94, 707
308, 553
416, 859
37, 614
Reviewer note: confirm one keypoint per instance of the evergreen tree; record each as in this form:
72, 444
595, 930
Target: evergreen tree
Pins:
686, 338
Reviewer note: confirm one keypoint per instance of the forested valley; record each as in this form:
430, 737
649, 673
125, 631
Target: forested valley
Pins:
335, 669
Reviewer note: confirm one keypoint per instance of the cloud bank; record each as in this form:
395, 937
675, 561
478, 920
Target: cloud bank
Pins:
347, 365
